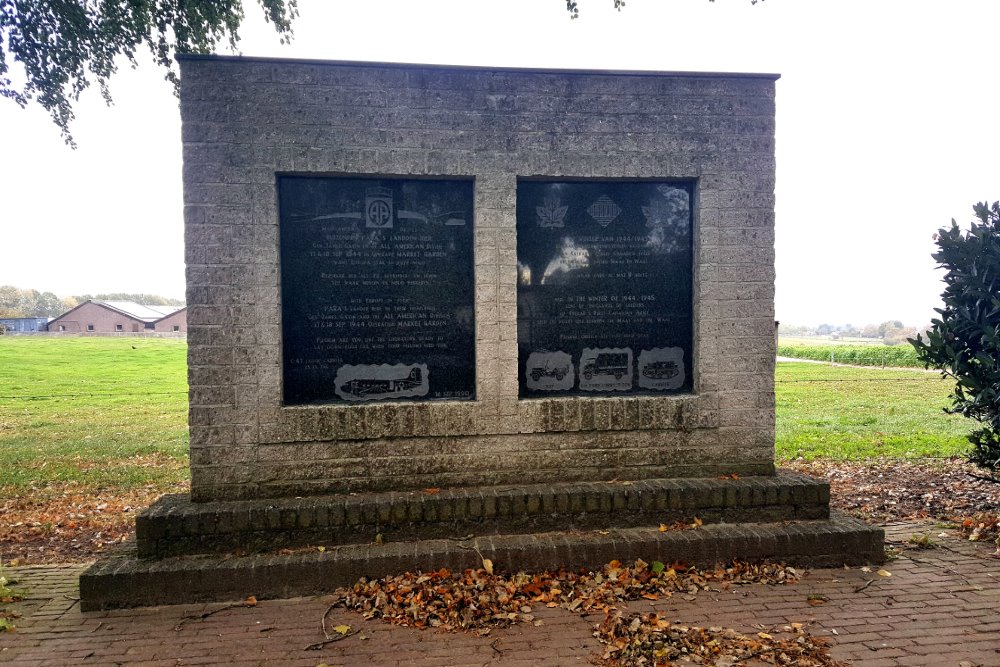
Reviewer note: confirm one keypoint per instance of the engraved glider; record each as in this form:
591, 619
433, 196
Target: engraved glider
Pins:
362, 387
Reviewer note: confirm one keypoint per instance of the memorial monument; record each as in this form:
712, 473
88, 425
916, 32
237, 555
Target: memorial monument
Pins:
533, 306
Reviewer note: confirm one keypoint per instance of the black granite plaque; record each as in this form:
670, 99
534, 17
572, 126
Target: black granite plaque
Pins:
604, 298
376, 289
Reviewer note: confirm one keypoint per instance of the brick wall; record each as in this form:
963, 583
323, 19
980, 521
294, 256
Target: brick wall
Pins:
178, 319
101, 318
244, 120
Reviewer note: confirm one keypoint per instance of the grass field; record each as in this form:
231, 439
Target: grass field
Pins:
856, 413
110, 413
104, 412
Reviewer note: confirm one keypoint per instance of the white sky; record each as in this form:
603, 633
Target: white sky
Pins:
887, 129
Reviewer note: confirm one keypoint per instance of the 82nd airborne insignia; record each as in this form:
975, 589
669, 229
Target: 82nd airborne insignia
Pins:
378, 208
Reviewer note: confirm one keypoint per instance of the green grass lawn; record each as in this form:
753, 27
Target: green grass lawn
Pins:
112, 413
856, 413
104, 412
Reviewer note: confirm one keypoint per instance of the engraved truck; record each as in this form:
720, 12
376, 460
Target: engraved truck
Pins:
366, 386
607, 363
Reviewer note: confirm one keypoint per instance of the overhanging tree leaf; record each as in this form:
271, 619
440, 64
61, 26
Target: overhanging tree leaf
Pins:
64, 46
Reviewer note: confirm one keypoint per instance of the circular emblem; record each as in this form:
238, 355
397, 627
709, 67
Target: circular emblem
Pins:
379, 213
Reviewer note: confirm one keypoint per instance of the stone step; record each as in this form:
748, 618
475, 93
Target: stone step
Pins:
175, 526
123, 580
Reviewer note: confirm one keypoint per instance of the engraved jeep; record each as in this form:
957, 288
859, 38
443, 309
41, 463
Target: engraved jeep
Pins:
549, 370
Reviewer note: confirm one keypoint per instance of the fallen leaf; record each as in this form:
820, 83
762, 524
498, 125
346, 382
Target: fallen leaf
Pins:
251, 601
432, 491
474, 600
884, 573
341, 629
488, 565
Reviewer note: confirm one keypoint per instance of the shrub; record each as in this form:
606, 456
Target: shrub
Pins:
856, 355
964, 343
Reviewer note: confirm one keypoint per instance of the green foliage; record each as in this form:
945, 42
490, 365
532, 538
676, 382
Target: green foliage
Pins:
66, 45
144, 299
7, 593
922, 541
846, 413
964, 343
855, 355
16, 302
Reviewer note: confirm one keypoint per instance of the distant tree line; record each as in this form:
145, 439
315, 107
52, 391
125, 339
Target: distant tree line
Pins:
890, 332
17, 302
144, 299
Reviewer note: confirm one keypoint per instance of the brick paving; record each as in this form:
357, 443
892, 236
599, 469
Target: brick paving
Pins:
941, 606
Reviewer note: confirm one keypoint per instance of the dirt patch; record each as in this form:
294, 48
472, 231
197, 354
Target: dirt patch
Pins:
67, 523
886, 490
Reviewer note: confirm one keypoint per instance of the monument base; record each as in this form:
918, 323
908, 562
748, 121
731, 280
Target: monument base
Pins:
199, 552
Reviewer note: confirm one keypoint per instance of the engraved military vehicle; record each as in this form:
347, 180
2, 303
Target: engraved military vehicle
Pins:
364, 386
661, 370
549, 370
607, 363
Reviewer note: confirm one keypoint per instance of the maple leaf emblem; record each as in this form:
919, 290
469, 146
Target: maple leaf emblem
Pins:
552, 213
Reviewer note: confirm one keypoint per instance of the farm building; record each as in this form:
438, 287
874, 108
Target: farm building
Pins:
95, 316
175, 321
23, 324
